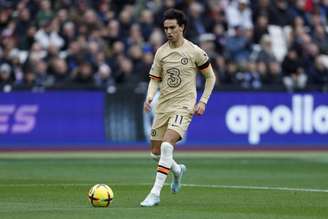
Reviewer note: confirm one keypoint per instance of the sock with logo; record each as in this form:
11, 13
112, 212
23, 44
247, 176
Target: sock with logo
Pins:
175, 168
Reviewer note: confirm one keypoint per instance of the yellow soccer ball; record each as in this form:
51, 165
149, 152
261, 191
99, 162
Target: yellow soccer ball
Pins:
101, 195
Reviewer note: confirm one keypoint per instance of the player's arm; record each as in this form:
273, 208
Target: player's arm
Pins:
152, 88
155, 80
207, 71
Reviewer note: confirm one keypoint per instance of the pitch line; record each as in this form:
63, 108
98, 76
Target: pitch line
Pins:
272, 188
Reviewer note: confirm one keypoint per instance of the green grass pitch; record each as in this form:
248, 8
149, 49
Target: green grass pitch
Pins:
225, 185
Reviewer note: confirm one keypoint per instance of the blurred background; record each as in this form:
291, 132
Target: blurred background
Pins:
74, 73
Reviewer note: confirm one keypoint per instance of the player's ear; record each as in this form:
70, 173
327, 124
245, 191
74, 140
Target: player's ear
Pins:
182, 27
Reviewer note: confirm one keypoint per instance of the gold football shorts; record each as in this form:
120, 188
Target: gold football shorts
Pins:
178, 121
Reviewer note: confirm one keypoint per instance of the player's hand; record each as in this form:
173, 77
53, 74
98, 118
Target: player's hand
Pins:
147, 104
200, 109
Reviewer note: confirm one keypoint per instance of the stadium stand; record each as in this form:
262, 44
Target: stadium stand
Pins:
103, 44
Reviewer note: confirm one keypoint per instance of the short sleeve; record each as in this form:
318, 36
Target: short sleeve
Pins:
201, 57
156, 68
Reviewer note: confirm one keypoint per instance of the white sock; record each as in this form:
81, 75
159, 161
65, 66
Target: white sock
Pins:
175, 166
164, 166
155, 157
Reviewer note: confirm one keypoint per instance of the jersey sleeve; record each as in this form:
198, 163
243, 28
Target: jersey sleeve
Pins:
156, 68
201, 58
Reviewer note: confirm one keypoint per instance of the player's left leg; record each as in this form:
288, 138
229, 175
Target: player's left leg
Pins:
179, 123
164, 166
156, 154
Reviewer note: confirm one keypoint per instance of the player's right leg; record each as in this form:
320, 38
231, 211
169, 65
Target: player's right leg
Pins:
176, 181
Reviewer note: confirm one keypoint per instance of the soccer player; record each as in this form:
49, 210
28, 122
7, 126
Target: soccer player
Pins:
174, 70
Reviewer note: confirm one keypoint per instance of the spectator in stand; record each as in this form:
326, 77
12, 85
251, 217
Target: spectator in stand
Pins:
66, 34
135, 55
319, 74
280, 15
42, 78
117, 52
165, 4
112, 32
261, 28
220, 67
310, 52
261, 8
320, 37
298, 9
207, 43
267, 63
44, 14
250, 77
239, 14
28, 80
220, 38
146, 23
125, 19
266, 54
26, 41
36, 52
104, 12
323, 8
91, 22
49, 34
83, 75
125, 72
156, 39
196, 20
294, 77
299, 35
103, 78
135, 36
6, 77
147, 60
73, 55
22, 26
17, 69
59, 72
237, 47
229, 71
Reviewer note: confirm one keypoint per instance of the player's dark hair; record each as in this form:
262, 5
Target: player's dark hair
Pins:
177, 15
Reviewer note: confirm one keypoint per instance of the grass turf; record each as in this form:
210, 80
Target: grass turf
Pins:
55, 185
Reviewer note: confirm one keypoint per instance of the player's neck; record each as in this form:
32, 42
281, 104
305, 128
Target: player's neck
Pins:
177, 43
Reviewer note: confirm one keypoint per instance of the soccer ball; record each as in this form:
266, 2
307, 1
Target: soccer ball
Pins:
101, 195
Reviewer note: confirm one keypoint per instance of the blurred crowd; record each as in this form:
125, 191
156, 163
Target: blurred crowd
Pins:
108, 44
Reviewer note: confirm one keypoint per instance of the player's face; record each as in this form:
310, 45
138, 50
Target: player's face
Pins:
172, 30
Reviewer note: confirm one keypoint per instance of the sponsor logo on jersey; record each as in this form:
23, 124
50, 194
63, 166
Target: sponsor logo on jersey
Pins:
174, 79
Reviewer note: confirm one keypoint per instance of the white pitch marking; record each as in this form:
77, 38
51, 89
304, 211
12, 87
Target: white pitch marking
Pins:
258, 188
273, 188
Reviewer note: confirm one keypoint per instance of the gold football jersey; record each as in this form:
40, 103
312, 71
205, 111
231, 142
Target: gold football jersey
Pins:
177, 69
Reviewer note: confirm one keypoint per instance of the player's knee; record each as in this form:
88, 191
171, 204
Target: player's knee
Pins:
172, 136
